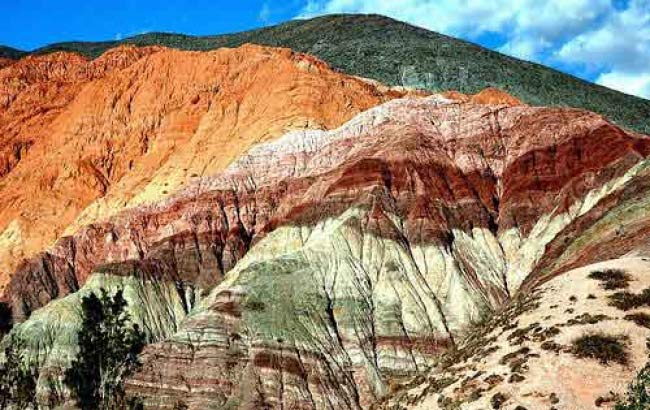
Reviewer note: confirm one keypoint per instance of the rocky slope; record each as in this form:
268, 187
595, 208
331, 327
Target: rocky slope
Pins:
132, 126
425, 215
318, 267
527, 356
5, 62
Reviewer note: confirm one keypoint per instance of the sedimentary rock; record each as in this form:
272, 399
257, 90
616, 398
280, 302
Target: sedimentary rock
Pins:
5, 62
386, 239
345, 258
284, 241
93, 137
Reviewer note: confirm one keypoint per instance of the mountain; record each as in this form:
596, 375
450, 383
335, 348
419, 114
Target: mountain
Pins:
320, 268
11, 53
396, 53
289, 236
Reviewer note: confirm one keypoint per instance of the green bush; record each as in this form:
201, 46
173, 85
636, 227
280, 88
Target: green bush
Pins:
628, 300
611, 278
5, 319
640, 318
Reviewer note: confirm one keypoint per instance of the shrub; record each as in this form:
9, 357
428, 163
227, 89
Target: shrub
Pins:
611, 278
604, 348
641, 319
180, 405
497, 400
628, 300
17, 379
5, 319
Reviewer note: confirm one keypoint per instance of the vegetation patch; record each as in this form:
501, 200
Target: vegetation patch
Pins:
587, 319
498, 400
5, 319
517, 360
611, 279
516, 378
640, 318
609, 398
602, 347
551, 346
533, 332
493, 380
628, 300
17, 377
109, 345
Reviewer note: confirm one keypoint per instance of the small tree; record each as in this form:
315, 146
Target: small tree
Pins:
108, 353
17, 379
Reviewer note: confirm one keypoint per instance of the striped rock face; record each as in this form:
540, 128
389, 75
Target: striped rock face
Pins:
317, 267
81, 140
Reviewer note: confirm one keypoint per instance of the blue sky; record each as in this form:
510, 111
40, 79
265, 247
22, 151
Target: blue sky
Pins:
605, 41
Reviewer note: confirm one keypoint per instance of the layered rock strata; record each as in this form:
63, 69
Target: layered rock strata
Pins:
345, 258
134, 125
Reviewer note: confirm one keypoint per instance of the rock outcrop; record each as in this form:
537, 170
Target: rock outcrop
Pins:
5, 62
343, 259
93, 137
388, 238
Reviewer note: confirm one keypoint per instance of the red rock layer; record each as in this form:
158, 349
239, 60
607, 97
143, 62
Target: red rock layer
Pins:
441, 168
487, 96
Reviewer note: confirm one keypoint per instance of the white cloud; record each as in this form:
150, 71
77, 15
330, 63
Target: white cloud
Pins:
621, 43
594, 34
635, 84
524, 48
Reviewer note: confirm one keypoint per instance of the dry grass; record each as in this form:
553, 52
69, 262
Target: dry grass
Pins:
628, 300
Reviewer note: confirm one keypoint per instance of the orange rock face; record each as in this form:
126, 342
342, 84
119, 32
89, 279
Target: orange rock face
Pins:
5, 62
81, 139
488, 96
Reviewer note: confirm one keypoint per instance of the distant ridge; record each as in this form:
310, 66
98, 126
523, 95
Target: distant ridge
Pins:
397, 53
9, 52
